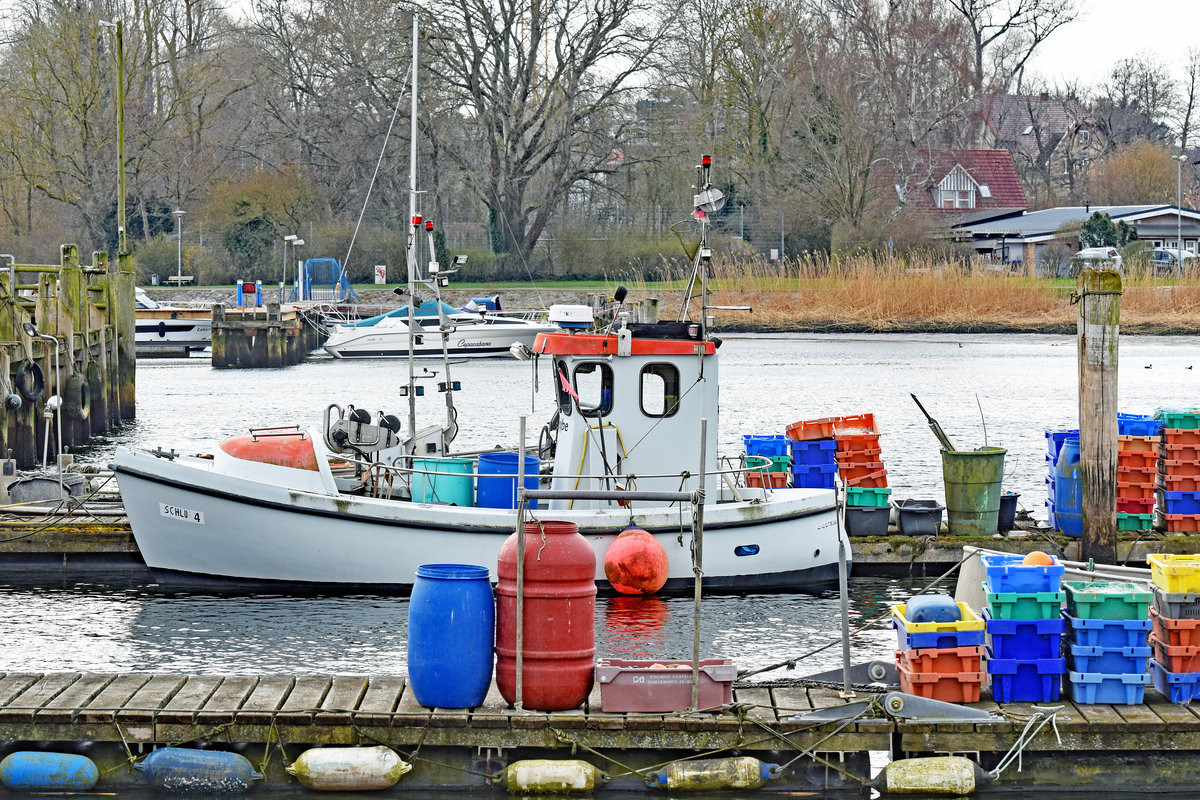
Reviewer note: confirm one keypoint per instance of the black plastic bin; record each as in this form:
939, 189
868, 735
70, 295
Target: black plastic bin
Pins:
1008, 512
866, 520
919, 517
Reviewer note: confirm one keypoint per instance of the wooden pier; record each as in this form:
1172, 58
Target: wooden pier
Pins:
273, 335
271, 719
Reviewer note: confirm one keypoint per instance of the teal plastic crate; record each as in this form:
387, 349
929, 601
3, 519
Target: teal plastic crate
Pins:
863, 496
1023, 605
780, 463
1134, 522
1107, 600
1179, 420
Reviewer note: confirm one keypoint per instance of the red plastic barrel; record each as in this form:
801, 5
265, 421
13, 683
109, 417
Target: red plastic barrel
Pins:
560, 617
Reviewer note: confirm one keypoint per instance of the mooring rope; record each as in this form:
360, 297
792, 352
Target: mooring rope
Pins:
1046, 715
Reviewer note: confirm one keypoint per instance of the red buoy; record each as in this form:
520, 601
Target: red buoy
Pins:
636, 563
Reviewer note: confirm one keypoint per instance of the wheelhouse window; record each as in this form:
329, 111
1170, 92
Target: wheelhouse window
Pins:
561, 383
660, 390
594, 385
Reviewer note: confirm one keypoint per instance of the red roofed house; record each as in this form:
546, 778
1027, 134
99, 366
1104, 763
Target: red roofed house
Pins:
963, 181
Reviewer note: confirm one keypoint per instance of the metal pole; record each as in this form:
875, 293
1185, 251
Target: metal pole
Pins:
411, 255
698, 568
1179, 214
179, 246
781, 236
844, 597
119, 28
520, 637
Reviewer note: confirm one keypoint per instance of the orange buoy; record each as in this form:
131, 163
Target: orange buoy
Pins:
1036, 558
636, 563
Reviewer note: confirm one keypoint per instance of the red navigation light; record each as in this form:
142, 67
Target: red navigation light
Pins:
416, 220
428, 224
706, 161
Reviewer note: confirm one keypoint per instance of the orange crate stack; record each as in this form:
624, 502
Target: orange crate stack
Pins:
1178, 472
859, 457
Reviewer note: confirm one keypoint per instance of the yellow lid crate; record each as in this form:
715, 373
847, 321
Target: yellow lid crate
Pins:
1173, 573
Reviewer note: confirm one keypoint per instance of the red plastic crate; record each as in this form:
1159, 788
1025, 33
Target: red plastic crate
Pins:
869, 475
1135, 490
1179, 468
1137, 444
662, 686
854, 425
960, 688
1135, 505
857, 442
1177, 523
831, 427
1179, 483
1180, 452
942, 660
1180, 436
1175, 632
774, 480
857, 456
1143, 461
1175, 659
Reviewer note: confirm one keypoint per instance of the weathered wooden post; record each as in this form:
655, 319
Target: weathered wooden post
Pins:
121, 292
1098, 293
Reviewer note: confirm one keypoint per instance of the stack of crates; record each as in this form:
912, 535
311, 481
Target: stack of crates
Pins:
1179, 472
1175, 617
1137, 471
770, 455
1106, 648
813, 463
1054, 442
857, 453
940, 660
1024, 629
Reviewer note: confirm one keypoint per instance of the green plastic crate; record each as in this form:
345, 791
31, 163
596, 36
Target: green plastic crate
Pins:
781, 464
1185, 420
1024, 605
864, 496
1134, 522
1107, 600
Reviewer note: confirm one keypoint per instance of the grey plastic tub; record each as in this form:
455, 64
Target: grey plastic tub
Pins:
919, 517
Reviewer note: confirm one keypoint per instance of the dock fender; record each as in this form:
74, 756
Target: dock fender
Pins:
29, 380
941, 775
78, 397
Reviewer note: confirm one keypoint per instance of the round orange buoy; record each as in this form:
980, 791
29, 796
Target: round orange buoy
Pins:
636, 563
1036, 558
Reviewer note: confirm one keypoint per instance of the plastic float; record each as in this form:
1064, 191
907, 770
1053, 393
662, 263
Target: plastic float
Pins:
635, 563
949, 775
178, 769
32, 771
543, 775
714, 775
348, 769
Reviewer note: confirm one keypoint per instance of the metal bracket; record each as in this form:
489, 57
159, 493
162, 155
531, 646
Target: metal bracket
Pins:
903, 708
868, 673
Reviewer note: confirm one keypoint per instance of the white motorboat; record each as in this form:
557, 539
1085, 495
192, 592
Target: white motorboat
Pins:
469, 333
169, 330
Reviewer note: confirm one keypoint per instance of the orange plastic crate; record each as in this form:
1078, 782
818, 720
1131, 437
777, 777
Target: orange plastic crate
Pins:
1177, 523
868, 475
774, 480
1180, 436
962, 687
1179, 483
942, 660
1181, 658
857, 456
1135, 490
1144, 460
1131, 474
1175, 632
1178, 468
811, 429
847, 443
854, 425
1137, 444
1180, 452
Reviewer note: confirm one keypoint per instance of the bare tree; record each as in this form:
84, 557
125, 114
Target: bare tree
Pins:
1188, 89
1004, 34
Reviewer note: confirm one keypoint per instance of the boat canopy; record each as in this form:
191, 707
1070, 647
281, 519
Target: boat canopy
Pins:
426, 309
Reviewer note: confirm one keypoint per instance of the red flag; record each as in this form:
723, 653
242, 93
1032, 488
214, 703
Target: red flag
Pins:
566, 385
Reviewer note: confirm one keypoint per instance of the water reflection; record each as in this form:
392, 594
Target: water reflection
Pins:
634, 626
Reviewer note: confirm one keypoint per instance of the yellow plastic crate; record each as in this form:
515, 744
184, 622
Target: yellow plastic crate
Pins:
1173, 573
970, 621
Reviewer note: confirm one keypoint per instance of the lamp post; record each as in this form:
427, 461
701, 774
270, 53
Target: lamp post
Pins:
291, 237
179, 248
1179, 211
118, 28
295, 255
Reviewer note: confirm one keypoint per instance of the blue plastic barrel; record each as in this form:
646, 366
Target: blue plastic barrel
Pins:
497, 483
1068, 489
449, 481
932, 608
451, 632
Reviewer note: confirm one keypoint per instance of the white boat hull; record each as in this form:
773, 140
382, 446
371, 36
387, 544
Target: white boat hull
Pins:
194, 525
161, 331
471, 339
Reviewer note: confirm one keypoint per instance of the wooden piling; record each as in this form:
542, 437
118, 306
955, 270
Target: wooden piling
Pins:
270, 336
1098, 293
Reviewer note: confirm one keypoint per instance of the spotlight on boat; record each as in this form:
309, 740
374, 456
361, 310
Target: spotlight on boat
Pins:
520, 351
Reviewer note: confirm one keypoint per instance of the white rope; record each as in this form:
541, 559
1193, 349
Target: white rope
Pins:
1046, 715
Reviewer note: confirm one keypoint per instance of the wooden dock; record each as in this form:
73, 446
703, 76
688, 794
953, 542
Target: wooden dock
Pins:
272, 335
271, 719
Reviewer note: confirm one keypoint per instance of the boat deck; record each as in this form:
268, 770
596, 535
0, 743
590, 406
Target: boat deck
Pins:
264, 714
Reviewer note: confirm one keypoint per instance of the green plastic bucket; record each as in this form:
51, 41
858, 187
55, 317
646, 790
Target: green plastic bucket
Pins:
973, 489
449, 481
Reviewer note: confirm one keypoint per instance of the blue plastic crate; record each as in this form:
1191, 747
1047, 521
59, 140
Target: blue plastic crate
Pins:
813, 451
1108, 660
1007, 574
1107, 632
1024, 638
1180, 502
1178, 687
1055, 439
1137, 425
771, 446
1050, 510
1127, 689
936, 639
814, 476
1017, 680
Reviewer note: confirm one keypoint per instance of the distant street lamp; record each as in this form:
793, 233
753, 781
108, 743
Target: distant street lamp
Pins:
295, 255
179, 249
291, 237
1179, 211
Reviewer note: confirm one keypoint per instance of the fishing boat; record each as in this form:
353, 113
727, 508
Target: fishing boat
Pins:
366, 499
169, 330
468, 332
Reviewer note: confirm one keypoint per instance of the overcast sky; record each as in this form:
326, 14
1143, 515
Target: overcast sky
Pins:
1109, 30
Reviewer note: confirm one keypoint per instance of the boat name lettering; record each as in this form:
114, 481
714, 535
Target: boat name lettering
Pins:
181, 514
469, 343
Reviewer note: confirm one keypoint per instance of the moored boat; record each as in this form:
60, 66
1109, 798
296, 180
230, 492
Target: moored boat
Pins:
169, 330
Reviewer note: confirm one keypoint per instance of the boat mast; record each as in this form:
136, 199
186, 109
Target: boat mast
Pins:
411, 255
